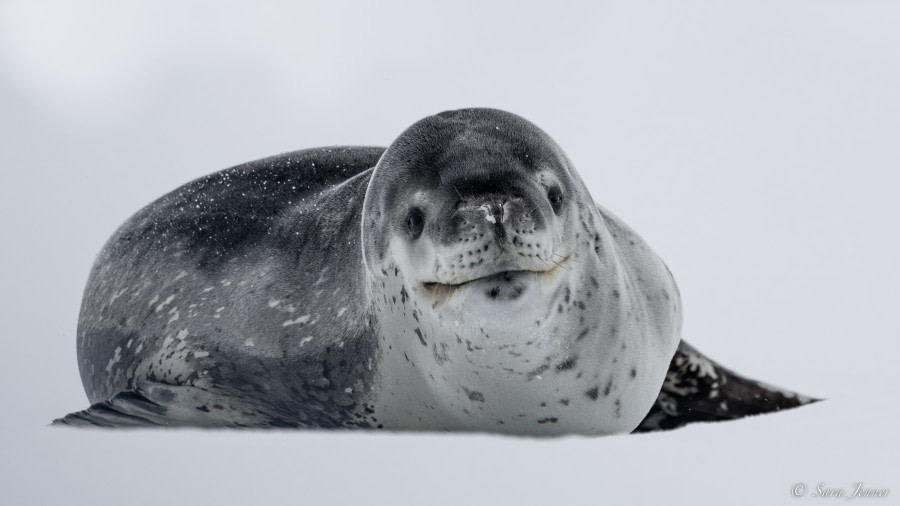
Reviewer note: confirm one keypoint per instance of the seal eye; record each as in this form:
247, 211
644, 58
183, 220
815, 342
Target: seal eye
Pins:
415, 222
555, 196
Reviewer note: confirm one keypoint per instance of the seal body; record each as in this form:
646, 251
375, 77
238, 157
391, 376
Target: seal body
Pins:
245, 285
461, 279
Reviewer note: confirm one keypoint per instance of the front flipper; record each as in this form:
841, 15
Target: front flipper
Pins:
154, 404
697, 389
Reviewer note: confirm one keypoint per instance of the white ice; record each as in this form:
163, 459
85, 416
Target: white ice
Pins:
753, 144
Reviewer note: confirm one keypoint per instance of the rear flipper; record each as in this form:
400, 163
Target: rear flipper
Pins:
154, 404
697, 389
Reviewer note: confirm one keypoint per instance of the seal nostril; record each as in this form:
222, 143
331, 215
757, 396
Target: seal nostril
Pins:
555, 196
415, 222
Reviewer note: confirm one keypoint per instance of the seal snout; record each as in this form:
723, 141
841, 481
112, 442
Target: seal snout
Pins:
498, 217
494, 214
501, 237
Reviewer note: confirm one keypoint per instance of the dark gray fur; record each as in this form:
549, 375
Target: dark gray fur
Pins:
294, 214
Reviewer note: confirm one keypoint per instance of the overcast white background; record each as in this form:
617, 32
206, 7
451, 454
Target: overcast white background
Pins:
755, 145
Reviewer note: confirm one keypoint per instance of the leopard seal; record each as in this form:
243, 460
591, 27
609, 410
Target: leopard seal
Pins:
462, 279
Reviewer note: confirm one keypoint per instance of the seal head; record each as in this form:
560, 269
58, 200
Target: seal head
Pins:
502, 297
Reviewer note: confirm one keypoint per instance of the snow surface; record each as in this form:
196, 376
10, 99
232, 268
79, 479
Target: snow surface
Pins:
753, 144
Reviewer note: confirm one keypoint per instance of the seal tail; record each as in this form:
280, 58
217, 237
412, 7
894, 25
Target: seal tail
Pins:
125, 409
154, 404
697, 389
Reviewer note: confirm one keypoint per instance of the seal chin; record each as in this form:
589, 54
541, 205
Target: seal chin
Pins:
503, 285
508, 285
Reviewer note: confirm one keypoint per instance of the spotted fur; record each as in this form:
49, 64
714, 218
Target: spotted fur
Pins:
697, 389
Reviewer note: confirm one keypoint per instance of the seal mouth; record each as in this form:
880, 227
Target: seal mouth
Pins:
506, 276
497, 276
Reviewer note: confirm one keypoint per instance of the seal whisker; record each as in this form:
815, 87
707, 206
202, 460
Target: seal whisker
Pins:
559, 265
566, 258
